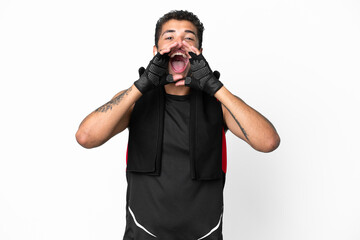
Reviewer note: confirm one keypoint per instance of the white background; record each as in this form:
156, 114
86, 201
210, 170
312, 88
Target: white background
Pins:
296, 62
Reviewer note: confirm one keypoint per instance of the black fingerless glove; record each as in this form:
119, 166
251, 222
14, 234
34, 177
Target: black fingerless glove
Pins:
201, 77
156, 74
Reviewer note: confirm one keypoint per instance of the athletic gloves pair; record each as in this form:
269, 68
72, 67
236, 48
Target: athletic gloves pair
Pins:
200, 75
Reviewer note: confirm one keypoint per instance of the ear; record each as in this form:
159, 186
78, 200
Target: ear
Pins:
154, 50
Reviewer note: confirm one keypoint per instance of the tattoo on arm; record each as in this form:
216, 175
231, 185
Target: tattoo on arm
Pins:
242, 129
115, 101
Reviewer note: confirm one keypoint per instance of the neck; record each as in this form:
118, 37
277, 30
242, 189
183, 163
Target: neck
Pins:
176, 90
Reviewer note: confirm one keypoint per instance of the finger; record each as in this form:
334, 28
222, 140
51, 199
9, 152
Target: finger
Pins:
141, 71
177, 77
175, 44
180, 83
169, 79
187, 45
217, 74
187, 48
191, 48
187, 53
168, 49
195, 50
192, 55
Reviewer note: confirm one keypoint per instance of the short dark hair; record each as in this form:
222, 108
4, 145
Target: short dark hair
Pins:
179, 15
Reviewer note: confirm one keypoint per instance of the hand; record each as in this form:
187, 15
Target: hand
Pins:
200, 75
156, 74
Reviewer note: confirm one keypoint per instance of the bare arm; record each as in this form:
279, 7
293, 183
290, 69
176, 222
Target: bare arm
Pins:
247, 123
108, 120
242, 120
114, 116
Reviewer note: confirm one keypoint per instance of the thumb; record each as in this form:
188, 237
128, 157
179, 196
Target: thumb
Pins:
141, 71
217, 74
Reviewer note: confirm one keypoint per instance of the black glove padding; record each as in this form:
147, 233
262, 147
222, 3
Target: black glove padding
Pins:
156, 74
201, 77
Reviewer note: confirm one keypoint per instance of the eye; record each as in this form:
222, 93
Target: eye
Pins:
168, 38
189, 39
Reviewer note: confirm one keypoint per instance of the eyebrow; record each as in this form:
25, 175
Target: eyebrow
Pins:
172, 30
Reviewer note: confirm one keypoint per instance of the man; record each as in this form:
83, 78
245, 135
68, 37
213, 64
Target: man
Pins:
177, 113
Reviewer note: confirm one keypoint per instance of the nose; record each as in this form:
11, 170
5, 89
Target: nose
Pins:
179, 42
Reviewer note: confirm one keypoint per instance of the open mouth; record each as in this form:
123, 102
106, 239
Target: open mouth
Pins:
178, 61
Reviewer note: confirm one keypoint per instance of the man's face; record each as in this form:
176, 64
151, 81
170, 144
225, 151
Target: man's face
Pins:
175, 31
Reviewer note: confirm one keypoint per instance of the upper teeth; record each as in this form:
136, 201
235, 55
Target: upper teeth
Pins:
178, 53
